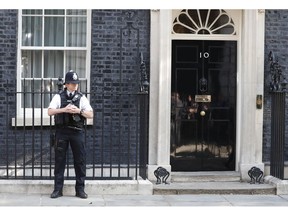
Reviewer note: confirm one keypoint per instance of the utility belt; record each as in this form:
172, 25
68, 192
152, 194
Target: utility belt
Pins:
69, 127
75, 128
65, 120
53, 137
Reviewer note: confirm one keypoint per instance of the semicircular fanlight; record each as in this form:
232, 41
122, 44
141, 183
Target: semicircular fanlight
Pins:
203, 22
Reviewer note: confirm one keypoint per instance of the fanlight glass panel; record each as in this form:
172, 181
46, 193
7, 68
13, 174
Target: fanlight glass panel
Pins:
204, 22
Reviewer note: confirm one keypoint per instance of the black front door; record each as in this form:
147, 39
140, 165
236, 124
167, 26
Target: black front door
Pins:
203, 105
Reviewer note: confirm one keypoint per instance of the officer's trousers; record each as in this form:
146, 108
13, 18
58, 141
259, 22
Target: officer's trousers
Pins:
75, 139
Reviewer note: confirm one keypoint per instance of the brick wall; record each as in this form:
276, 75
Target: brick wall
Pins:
112, 83
105, 58
117, 38
276, 40
107, 45
8, 65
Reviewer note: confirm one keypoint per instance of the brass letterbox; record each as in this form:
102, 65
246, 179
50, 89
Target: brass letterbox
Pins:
203, 98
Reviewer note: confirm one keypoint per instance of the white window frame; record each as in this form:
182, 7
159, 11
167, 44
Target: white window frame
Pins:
40, 116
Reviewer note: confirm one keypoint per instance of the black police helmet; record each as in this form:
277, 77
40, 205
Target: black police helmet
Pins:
72, 77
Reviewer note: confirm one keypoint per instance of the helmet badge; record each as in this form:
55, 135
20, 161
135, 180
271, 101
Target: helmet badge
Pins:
75, 76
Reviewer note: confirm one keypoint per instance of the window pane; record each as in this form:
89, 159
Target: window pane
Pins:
76, 32
31, 31
54, 12
53, 63
54, 31
34, 12
76, 61
38, 93
83, 85
31, 64
50, 87
76, 12
31, 93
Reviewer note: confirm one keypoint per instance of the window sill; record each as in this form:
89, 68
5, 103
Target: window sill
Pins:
37, 121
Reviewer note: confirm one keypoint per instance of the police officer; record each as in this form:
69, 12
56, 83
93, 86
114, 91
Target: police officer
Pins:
70, 109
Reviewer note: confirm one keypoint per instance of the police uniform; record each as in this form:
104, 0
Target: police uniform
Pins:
69, 131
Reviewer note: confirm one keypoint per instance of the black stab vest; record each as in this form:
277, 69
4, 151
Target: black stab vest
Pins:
67, 119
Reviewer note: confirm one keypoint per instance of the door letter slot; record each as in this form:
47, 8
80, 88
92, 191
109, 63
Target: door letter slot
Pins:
203, 98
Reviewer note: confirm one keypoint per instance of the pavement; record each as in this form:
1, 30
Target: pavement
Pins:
44, 200
35, 204
216, 204
30, 197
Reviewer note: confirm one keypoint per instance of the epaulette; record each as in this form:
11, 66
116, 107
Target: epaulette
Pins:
77, 96
80, 93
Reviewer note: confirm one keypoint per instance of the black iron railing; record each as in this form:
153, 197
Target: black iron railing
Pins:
278, 89
116, 139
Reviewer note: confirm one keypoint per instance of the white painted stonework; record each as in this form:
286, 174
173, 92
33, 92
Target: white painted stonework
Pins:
250, 77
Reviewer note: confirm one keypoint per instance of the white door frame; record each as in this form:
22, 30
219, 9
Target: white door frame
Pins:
250, 82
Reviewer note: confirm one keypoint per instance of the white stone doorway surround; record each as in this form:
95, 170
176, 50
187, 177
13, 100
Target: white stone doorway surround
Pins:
250, 82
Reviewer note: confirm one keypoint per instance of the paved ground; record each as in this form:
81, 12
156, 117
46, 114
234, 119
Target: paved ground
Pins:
257, 200
143, 200
154, 204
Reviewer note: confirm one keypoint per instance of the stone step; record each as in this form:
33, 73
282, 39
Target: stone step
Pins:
205, 176
210, 183
213, 188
